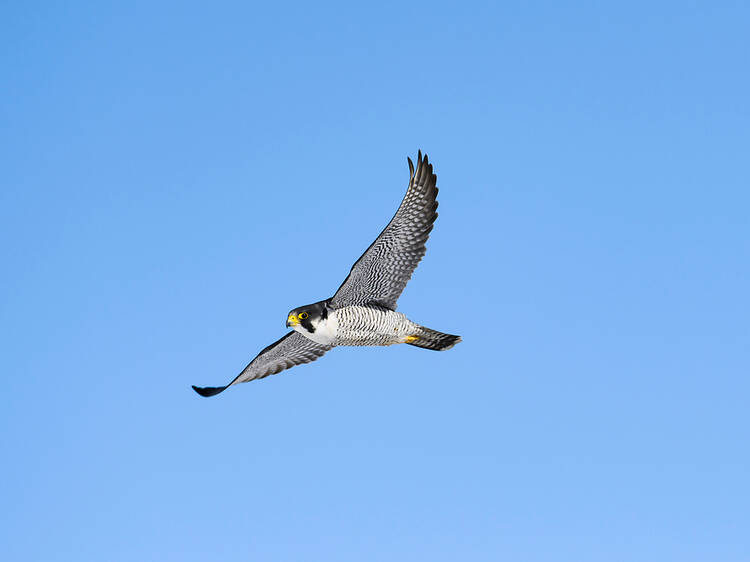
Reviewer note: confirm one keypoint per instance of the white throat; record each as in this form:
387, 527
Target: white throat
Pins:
325, 330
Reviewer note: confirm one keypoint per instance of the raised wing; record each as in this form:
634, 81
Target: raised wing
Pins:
293, 349
381, 273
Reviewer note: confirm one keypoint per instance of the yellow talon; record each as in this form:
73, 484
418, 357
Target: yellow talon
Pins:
411, 339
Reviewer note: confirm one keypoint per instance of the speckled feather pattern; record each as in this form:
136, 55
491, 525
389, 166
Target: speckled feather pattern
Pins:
365, 303
372, 325
381, 273
293, 349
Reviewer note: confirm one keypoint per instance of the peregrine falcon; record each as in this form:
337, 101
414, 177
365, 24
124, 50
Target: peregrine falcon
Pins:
363, 309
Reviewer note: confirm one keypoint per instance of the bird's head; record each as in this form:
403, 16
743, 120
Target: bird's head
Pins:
307, 317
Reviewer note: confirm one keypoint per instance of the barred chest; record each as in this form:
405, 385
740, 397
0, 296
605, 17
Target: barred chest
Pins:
371, 325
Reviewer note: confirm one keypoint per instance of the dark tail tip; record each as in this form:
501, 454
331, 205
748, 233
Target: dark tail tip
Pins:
208, 390
432, 339
449, 342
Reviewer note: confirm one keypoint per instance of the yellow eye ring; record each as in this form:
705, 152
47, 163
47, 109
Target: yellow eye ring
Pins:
303, 315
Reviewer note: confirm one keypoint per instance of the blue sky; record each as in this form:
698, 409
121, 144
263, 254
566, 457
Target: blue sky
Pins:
177, 176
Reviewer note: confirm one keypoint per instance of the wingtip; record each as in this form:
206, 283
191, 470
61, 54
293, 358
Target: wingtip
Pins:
422, 160
411, 168
208, 390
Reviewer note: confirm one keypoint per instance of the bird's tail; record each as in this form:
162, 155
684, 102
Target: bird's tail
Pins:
432, 339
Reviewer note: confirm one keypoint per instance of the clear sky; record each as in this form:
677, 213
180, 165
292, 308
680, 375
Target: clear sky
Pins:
176, 176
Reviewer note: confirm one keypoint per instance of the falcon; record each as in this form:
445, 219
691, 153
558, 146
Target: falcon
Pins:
363, 309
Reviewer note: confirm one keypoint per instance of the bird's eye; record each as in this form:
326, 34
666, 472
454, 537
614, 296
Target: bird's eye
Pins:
303, 315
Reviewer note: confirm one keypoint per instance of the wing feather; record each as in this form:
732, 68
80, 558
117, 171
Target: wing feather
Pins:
293, 349
380, 275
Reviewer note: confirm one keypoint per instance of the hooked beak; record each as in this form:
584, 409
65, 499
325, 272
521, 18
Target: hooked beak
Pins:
292, 321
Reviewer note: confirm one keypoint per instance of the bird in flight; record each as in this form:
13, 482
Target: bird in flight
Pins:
363, 309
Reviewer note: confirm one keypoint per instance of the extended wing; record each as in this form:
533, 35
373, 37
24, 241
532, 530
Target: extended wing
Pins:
293, 349
381, 273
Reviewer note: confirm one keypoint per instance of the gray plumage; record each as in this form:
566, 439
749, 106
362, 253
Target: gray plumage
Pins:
363, 309
381, 273
292, 349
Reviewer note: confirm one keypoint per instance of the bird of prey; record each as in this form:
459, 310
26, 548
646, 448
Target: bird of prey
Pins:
363, 309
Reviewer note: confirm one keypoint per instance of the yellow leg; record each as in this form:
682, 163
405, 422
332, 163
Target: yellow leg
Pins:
411, 339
